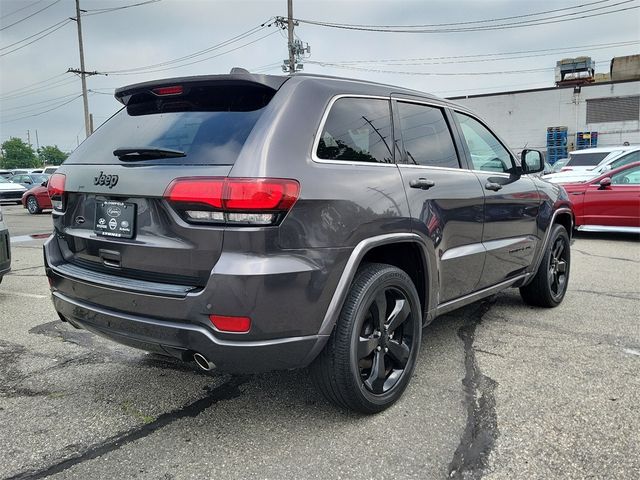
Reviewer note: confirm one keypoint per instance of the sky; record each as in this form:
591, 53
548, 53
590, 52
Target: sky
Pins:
36, 95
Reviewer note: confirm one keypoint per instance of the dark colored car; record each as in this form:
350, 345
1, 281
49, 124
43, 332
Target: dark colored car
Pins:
609, 202
254, 222
5, 248
36, 199
28, 180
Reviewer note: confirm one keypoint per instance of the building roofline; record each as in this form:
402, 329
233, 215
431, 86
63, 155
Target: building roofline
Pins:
543, 89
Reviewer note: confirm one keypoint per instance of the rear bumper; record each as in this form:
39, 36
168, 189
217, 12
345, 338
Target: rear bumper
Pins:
182, 340
285, 295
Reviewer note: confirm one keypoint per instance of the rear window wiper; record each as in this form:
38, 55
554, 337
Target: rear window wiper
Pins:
131, 154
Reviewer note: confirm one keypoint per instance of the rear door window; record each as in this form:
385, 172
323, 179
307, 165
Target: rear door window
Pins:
426, 136
209, 124
357, 130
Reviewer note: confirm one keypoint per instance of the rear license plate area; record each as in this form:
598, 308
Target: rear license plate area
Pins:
115, 219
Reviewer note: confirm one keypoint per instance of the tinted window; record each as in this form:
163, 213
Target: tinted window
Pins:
357, 130
487, 153
626, 160
210, 125
586, 159
630, 176
426, 136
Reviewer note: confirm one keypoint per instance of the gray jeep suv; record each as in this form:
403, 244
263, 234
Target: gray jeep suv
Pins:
251, 222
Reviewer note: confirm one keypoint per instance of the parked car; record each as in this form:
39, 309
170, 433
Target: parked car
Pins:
10, 192
49, 170
36, 199
560, 163
6, 173
620, 156
275, 222
28, 180
5, 248
610, 202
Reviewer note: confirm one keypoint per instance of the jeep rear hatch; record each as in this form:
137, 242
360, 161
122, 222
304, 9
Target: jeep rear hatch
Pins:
114, 215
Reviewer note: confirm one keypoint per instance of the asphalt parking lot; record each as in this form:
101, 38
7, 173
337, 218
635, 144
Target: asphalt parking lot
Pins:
501, 391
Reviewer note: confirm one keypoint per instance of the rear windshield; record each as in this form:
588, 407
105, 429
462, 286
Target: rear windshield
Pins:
210, 125
586, 159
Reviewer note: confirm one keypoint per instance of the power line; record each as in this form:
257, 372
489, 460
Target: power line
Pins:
59, 25
100, 11
462, 23
29, 16
51, 100
57, 84
527, 23
20, 9
483, 57
198, 53
197, 61
43, 112
443, 74
33, 84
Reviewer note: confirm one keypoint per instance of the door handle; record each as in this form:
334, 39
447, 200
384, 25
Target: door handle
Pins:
422, 183
493, 186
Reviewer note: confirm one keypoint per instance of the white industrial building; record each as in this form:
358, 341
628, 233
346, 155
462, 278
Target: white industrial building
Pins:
522, 117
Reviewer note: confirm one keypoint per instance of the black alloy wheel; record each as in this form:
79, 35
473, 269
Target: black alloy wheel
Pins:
549, 285
385, 341
372, 351
558, 268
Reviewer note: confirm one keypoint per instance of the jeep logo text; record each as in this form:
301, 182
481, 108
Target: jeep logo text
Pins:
106, 180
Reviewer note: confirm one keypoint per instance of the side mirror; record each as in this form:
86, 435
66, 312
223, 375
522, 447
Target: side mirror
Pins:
44, 184
532, 161
605, 183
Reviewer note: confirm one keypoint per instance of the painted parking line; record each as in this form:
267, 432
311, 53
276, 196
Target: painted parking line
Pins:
29, 238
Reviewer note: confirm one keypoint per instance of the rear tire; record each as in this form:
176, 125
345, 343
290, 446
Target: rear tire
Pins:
32, 205
370, 356
549, 286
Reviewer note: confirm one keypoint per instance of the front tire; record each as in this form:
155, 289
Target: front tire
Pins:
549, 286
32, 205
370, 356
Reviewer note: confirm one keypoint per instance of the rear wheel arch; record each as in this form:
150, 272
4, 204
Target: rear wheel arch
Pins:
383, 249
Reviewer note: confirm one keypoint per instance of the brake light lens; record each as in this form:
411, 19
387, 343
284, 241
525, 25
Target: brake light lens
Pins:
173, 90
231, 324
55, 188
249, 201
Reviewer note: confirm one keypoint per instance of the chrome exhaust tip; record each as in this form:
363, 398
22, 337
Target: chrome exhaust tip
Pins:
202, 362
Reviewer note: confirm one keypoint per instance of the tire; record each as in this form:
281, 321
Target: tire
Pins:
549, 286
32, 205
364, 366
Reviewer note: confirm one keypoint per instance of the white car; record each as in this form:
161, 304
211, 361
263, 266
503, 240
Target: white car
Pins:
11, 192
591, 162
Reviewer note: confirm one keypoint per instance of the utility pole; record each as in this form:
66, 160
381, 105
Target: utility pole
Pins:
292, 52
29, 137
85, 99
295, 47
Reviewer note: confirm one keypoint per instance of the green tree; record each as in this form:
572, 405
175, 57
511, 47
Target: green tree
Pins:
51, 155
18, 154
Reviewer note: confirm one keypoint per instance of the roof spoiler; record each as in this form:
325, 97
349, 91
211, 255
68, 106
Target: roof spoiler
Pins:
236, 78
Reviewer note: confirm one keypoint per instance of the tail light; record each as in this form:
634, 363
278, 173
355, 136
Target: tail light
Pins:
55, 187
241, 201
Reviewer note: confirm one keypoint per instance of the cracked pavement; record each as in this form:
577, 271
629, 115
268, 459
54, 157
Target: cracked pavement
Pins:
501, 390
